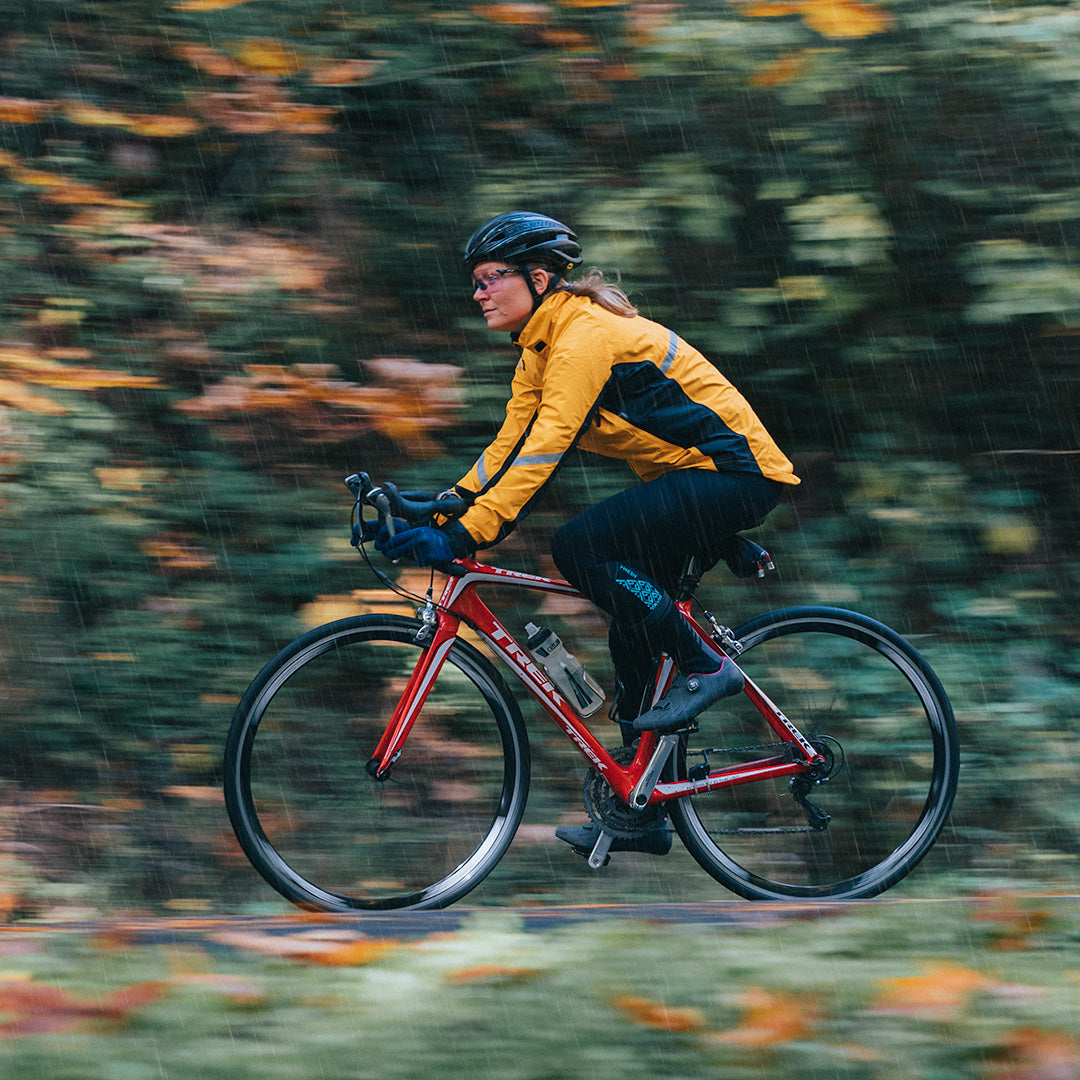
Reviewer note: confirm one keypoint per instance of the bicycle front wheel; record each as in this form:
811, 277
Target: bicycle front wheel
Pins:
318, 827
871, 704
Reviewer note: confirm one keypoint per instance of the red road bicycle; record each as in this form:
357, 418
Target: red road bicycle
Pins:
380, 761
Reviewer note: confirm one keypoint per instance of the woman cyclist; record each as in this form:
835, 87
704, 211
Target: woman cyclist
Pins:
595, 374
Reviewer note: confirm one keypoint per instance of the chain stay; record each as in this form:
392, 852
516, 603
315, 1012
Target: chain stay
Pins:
817, 818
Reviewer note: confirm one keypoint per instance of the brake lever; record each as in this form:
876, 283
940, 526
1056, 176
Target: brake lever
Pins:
381, 501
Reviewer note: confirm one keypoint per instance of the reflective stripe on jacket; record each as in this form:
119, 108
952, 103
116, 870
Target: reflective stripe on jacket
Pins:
625, 388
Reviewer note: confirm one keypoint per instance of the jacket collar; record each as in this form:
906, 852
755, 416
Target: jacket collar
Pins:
538, 331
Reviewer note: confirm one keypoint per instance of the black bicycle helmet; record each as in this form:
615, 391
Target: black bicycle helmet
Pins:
520, 237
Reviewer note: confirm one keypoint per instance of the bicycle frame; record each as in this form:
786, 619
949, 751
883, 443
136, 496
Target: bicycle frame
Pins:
459, 603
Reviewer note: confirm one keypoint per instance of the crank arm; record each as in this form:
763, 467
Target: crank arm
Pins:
639, 797
599, 855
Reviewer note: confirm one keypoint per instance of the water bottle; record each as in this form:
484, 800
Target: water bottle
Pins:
575, 684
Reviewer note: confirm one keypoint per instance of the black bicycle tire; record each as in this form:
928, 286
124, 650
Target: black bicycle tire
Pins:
944, 775
240, 803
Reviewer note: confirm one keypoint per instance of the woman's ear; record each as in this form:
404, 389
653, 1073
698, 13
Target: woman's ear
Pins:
541, 279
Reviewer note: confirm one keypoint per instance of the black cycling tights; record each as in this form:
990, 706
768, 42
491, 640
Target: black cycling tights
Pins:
626, 555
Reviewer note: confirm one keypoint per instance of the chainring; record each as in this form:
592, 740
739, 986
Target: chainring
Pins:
608, 811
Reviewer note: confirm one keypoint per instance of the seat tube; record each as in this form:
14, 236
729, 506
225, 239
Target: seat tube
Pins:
428, 665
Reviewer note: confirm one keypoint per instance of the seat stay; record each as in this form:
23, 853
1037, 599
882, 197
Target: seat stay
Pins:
779, 722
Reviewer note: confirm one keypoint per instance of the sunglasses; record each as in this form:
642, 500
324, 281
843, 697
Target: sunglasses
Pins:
484, 284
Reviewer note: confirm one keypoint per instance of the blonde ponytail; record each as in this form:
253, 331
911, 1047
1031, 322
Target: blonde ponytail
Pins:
593, 285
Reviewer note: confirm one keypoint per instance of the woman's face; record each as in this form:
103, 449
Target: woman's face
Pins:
503, 295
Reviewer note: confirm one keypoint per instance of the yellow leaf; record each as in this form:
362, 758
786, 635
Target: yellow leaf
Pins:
845, 18
1011, 536
18, 397
129, 478
162, 127
264, 56
767, 10
93, 116
71, 378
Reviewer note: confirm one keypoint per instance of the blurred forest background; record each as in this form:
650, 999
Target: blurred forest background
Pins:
230, 236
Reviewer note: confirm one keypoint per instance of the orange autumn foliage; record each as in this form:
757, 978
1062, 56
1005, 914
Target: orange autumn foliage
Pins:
770, 1018
783, 70
515, 14
26, 366
1015, 924
55, 188
261, 110
265, 56
17, 396
655, 1014
149, 125
23, 110
834, 19
940, 991
343, 72
174, 553
408, 401
1034, 1054
329, 948
209, 61
34, 1010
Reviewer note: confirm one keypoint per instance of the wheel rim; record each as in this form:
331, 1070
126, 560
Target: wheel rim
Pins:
845, 677
321, 829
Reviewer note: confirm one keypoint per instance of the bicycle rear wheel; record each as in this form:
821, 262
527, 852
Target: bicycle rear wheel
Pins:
870, 702
318, 827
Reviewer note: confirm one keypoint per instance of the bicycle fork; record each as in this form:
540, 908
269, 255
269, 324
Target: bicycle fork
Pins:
438, 641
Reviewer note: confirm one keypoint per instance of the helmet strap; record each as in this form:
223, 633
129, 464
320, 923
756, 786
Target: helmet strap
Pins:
538, 298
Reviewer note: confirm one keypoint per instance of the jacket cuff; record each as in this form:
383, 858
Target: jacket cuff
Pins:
461, 542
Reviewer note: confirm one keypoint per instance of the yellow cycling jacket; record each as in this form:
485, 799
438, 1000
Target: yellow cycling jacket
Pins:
623, 387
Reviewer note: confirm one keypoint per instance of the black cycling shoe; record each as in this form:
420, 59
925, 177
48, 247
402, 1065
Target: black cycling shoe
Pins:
583, 838
690, 696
